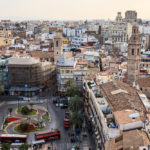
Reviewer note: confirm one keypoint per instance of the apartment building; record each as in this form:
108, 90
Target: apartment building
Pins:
74, 68
82, 40
5, 37
65, 71
4, 76
112, 108
117, 32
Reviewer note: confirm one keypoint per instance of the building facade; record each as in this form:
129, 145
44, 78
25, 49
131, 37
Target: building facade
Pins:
134, 56
28, 76
58, 46
131, 16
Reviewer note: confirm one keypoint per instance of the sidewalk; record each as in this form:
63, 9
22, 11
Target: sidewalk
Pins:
1, 117
44, 147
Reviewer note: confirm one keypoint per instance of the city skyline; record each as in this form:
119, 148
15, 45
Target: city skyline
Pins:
70, 9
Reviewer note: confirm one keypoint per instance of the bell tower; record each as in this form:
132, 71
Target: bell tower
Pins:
134, 56
58, 46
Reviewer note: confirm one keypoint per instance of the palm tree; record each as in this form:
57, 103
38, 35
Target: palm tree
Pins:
5, 146
77, 119
75, 104
10, 109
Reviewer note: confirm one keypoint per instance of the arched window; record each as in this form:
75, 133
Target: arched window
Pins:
134, 30
56, 43
132, 51
137, 51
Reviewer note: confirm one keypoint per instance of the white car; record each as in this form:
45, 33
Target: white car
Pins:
26, 98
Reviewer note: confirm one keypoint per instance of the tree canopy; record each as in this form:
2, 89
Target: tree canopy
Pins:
1, 89
24, 147
5, 146
75, 104
77, 119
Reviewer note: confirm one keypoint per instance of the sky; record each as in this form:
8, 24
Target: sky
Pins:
71, 9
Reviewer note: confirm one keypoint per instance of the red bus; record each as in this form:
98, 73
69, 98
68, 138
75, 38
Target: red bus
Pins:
13, 138
66, 123
67, 120
48, 135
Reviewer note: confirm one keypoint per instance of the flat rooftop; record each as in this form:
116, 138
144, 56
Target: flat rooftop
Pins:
22, 61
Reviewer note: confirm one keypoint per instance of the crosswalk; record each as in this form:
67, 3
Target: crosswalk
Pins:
85, 145
25, 102
68, 145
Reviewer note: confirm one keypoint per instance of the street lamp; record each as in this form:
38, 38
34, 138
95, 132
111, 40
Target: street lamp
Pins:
18, 102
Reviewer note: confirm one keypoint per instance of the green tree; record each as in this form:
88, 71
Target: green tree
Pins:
71, 89
75, 104
24, 147
24, 126
5, 146
10, 109
69, 83
1, 89
24, 110
77, 119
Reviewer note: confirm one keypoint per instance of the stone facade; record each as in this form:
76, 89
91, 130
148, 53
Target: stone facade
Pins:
58, 47
131, 16
134, 56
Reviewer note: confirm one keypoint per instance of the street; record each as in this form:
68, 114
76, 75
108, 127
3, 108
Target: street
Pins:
57, 117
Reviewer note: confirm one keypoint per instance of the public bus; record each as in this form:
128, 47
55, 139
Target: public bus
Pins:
67, 120
13, 138
48, 135
66, 123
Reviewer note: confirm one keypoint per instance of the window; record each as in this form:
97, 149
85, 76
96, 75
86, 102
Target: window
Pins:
62, 71
134, 30
57, 43
132, 51
137, 51
67, 71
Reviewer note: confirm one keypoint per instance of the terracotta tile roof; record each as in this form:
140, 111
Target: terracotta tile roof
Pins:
128, 140
144, 82
121, 100
41, 54
82, 63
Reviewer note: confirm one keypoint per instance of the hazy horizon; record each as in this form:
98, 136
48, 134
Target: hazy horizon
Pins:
70, 9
